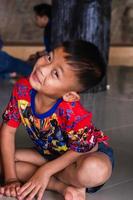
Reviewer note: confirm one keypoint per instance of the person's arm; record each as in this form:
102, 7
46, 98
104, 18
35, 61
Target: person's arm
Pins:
65, 160
7, 148
8, 151
37, 55
39, 181
11, 121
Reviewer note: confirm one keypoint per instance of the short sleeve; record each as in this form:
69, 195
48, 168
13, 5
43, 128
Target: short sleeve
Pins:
11, 114
83, 136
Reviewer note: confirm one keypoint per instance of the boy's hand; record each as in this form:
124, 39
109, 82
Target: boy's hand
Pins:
10, 188
35, 186
37, 55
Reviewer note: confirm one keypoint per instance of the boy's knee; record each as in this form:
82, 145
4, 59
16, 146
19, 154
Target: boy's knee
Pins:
94, 171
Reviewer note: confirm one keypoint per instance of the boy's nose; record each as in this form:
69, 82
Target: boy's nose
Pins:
45, 69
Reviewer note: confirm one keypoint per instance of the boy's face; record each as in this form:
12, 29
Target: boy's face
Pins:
41, 22
53, 76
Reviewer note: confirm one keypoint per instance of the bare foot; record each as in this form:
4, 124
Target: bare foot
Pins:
73, 193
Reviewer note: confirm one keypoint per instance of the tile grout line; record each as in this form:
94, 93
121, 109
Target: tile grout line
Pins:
116, 184
119, 99
119, 127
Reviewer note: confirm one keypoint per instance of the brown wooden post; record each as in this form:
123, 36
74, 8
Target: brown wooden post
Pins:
83, 19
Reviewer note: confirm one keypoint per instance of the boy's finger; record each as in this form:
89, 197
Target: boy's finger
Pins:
23, 188
26, 192
40, 194
17, 189
33, 193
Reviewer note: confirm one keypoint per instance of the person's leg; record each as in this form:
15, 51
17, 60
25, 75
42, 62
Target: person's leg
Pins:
21, 67
9, 64
25, 171
29, 155
25, 155
27, 162
89, 171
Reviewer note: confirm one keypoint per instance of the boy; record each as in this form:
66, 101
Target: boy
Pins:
70, 154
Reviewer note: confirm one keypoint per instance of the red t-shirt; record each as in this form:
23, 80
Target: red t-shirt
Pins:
67, 125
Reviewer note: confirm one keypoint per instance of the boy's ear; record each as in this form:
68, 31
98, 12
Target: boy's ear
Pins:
71, 96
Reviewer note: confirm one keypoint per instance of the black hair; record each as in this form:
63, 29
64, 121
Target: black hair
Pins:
42, 9
87, 61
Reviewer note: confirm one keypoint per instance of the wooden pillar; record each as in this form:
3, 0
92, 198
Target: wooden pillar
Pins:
83, 19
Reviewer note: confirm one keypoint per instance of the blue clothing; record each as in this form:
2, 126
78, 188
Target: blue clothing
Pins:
9, 64
1, 43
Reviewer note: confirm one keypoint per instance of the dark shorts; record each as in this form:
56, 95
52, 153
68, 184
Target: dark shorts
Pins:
109, 152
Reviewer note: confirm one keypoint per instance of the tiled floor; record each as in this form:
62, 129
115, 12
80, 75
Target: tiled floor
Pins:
113, 112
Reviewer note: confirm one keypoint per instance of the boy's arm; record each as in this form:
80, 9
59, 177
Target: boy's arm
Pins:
65, 160
7, 145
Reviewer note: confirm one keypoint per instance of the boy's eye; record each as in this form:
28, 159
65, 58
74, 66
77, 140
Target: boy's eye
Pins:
55, 73
49, 57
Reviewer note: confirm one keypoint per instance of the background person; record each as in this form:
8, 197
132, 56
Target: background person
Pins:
11, 64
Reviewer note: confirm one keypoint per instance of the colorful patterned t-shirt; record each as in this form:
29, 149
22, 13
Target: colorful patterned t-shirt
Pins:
67, 125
